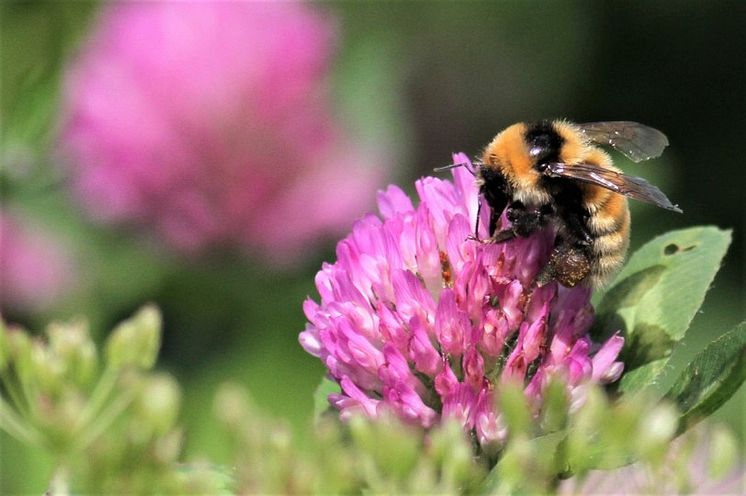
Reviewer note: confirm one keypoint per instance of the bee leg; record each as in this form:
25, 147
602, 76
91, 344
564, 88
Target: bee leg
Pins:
568, 265
578, 228
524, 221
504, 236
492, 225
499, 237
494, 218
476, 225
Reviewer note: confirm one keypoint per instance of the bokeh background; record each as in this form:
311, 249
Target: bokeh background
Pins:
206, 156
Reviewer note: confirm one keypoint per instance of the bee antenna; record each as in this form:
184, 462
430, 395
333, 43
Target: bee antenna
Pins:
462, 164
447, 167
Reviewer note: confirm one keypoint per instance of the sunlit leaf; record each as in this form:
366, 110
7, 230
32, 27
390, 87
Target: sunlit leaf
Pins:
656, 296
711, 378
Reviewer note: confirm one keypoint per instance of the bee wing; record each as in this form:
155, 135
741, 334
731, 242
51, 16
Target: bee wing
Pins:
630, 186
636, 141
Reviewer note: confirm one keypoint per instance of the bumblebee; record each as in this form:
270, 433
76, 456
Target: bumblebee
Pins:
554, 173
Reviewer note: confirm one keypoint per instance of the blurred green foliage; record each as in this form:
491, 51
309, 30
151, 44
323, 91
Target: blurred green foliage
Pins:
423, 80
37, 39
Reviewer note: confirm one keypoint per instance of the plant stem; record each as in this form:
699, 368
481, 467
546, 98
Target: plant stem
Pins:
59, 485
14, 425
104, 420
16, 396
98, 397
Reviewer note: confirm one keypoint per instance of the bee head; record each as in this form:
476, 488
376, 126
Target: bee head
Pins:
544, 143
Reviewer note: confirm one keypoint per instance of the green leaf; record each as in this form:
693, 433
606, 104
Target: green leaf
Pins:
711, 378
321, 396
655, 297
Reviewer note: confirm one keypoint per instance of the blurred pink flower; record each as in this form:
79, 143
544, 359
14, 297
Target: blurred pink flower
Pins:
35, 270
209, 122
417, 318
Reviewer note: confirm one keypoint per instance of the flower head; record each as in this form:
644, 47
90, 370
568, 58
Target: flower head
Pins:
207, 122
417, 318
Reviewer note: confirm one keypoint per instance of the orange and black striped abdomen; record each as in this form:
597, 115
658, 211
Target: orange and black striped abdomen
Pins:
609, 226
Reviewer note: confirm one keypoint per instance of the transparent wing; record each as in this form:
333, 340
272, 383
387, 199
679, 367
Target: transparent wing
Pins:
630, 186
636, 141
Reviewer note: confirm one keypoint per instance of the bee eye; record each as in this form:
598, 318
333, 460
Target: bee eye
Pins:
541, 154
